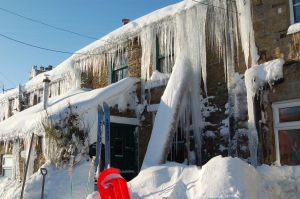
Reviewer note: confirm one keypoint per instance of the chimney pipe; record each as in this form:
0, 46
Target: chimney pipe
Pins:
125, 21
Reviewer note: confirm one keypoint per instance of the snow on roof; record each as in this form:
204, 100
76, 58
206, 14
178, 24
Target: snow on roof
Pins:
66, 68
110, 40
29, 120
133, 27
294, 28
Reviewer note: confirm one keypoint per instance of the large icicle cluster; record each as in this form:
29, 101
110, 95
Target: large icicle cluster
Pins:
190, 28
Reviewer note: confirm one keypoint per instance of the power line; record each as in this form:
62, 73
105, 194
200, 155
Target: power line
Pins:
46, 24
43, 48
211, 5
13, 83
54, 50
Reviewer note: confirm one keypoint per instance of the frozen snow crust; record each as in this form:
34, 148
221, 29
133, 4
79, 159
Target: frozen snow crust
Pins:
219, 178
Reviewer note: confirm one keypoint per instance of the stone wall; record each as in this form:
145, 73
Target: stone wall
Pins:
288, 89
134, 58
93, 80
271, 20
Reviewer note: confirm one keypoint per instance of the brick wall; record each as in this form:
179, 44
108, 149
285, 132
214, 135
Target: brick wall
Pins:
271, 20
134, 58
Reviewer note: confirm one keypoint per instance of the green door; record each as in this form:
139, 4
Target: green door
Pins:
124, 149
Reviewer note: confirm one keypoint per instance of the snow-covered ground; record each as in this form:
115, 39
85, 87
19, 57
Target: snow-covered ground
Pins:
219, 178
58, 184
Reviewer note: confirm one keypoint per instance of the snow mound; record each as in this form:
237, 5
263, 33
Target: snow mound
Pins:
219, 178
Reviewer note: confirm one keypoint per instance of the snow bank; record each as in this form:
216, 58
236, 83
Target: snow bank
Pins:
294, 28
29, 120
219, 178
168, 113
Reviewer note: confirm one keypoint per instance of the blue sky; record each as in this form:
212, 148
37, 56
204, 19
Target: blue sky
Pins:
95, 18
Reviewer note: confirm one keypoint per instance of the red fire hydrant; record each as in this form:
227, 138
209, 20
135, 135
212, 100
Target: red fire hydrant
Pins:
111, 185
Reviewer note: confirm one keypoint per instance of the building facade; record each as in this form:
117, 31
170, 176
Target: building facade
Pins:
150, 52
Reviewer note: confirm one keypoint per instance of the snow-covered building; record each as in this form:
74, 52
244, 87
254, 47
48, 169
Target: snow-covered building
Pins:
183, 84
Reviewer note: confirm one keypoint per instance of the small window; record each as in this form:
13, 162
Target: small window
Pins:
286, 118
164, 58
119, 67
7, 165
295, 11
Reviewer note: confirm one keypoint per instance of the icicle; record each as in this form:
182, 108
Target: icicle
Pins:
16, 159
246, 31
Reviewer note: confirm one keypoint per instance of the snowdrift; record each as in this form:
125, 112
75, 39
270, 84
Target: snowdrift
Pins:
219, 178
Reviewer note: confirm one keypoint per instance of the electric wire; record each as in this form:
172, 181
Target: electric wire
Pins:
46, 24
5, 77
43, 48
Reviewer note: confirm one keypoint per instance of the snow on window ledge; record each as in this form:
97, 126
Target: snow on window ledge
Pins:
294, 28
157, 79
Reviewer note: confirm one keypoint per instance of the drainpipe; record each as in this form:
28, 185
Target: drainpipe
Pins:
46, 82
20, 98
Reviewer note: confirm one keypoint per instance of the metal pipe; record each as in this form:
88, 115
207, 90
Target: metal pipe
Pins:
26, 169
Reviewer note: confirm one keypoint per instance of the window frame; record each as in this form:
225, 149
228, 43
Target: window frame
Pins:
292, 14
277, 125
163, 57
116, 68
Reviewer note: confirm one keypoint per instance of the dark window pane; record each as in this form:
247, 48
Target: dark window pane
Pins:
296, 1
289, 146
118, 146
289, 114
297, 13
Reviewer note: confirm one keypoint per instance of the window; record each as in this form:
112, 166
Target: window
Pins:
119, 67
295, 11
7, 165
286, 118
164, 57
